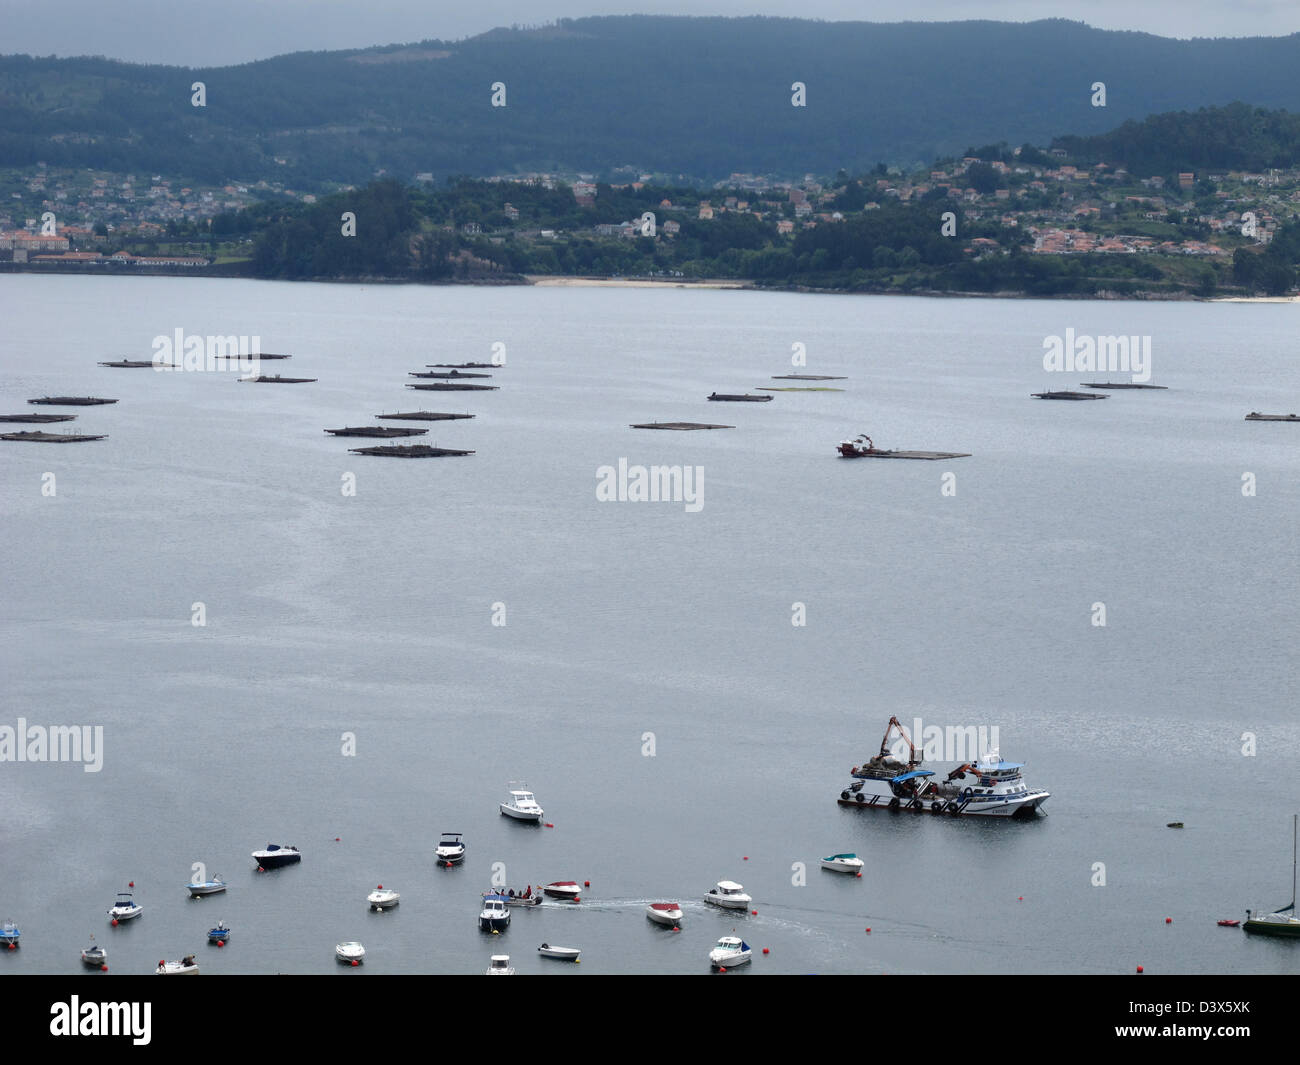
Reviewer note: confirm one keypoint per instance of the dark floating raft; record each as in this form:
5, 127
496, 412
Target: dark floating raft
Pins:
254, 357
819, 388
71, 401
377, 430
1068, 395
451, 375
132, 364
806, 377
462, 365
680, 425
1122, 384
423, 416
862, 447
408, 451
1255, 416
278, 380
50, 438
37, 419
447, 386
722, 397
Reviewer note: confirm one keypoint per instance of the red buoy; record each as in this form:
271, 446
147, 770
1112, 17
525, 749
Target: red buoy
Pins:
586, 883
765, 950
549, 825
221, 942
449, 865
336, 839
260, 869
745, 858
380, 887
355, 963
13, 946
131, 884
859, 876
576, 899
1139, 968
113, 922
103, 968
753, 913
676, 929
1169, 920
868, 929
722, 968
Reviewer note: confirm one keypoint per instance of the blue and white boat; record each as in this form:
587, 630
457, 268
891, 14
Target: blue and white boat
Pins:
730, 952
495, 915
220, 933
843, 863
207, 887
10, 934
126, 908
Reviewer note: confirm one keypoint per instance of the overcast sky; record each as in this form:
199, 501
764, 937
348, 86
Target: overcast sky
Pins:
218, 32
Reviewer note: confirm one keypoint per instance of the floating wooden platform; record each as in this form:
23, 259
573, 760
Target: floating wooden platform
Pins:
408, 451
1122, 384
262, 379
377, 430
423, 416
806, 377
71, 401
450, 375
37, 419
876, 453
1255, 416
447, 386
722, 397
50, 438
772, 388
123, 364
684, 426
1067, 395
462, 365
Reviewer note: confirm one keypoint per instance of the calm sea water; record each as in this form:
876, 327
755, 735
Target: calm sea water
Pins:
648, 682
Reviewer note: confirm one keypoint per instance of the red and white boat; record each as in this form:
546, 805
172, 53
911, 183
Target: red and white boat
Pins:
564, 889
665, 913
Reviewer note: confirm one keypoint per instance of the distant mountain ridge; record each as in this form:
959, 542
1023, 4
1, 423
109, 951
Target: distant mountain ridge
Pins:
694, 97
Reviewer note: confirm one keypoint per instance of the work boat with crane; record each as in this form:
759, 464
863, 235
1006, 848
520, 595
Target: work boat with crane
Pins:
987, 786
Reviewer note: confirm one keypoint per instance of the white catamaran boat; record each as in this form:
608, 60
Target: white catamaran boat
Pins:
522, 806
988, 786
1282, 921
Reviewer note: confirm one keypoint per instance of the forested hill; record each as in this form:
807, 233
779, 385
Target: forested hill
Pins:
698, 98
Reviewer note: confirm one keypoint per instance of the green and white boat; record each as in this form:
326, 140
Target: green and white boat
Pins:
1282, 921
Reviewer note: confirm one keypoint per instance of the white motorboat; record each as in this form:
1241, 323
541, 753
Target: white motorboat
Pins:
729, 895
500, 966
996, 788
843, 863
495, 915
383, 898
562, 953
125, 908
208, 887
665, 913
351, 952
94, 955
522, 806
187, 966
523, 898
730, 951
564, 889
451, 850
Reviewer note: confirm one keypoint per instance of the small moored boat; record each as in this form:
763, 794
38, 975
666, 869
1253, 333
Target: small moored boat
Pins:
351, 952
495, 915
220, 933
500, 966
383, 898
729, 895
1282, 921
208, 887
564, 889
94, 954
730, 951
275, 856
10, 933
187, 966
125, 908
528, 897
843, 863
522, 806
451, 849
561, 953
665, 913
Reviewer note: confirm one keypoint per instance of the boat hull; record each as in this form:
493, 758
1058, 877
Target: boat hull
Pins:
1258, 927
493, 924
276, 859
126, 915
454, 857
199, 890
569, 892
520, 815
843, 866
728, 960
94, 958
725, 902
668, 918
559, 953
